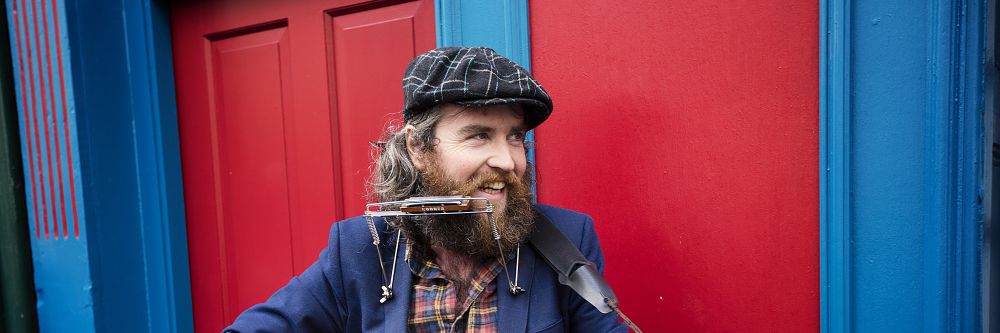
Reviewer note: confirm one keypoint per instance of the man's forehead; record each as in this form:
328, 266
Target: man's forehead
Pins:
506, 114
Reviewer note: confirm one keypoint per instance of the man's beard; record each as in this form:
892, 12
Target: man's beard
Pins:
471, 234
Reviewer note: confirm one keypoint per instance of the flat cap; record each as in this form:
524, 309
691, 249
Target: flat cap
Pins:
472, 76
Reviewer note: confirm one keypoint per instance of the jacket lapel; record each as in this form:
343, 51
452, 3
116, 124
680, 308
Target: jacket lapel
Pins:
397, 309
513, 310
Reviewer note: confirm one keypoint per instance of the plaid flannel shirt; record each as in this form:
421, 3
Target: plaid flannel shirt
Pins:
434, 306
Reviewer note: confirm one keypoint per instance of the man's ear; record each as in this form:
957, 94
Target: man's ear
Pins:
416, 153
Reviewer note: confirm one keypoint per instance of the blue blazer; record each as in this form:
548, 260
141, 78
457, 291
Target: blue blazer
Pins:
341, 290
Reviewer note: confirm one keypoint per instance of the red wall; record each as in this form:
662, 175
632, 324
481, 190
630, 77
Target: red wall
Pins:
689, 131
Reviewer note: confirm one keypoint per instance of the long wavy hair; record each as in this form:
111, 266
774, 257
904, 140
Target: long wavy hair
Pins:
395, 177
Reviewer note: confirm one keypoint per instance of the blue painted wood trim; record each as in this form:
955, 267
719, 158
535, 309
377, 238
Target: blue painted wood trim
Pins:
991, 183
61, 261
501, 25
965, 21
158, 163
123, 88
955, 99
108, 151
901, 165
835, 166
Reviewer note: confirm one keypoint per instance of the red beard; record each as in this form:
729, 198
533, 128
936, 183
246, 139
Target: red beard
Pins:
471, 234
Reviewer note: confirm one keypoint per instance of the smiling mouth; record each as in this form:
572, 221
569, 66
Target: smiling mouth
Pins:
493, 188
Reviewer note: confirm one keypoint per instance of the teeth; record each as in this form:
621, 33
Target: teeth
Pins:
493, 187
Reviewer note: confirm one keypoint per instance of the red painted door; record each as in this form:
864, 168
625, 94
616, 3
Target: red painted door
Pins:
689, 130
278, 102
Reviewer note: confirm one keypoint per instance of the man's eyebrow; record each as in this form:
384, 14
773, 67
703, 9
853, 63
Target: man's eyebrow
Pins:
474, 129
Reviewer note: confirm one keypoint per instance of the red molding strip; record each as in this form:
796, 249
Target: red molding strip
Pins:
46, 122
29, 108
45, 165
50, 97
62, 94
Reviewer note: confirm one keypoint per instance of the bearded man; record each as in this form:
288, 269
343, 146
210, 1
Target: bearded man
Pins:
466, 112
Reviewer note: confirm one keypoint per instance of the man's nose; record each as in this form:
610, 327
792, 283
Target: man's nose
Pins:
502, 158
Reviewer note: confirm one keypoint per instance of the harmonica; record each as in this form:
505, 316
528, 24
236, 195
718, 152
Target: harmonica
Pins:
442, 205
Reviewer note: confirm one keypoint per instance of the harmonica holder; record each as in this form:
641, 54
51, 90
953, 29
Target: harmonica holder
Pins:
428, 206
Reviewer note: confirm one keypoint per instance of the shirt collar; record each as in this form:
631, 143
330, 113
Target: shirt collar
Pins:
428, 269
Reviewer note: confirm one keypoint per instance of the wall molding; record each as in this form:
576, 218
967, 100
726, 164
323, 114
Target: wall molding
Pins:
158, 166
54, 194
501, 25
956, 105
835, 166
948, 171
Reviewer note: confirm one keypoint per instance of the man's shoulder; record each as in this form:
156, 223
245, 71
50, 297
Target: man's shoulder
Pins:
356, 222
351, 224
354, 230
559, 213
572, 223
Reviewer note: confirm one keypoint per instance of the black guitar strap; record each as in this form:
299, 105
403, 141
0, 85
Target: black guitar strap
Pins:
572, 268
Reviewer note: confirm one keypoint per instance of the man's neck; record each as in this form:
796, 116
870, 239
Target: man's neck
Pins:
458, 268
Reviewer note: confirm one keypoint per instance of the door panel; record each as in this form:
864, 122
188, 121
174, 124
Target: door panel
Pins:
382, 39
278, 103
247, 78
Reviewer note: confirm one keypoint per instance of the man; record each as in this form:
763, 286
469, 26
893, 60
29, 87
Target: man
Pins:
466, 113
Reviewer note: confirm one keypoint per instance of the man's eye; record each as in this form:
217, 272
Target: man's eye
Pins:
518, 136
480, 136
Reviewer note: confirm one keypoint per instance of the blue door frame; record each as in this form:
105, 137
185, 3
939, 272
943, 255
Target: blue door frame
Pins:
901, 113
501, 25
111, 72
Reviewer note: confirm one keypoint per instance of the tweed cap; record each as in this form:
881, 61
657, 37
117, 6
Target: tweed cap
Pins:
471, 76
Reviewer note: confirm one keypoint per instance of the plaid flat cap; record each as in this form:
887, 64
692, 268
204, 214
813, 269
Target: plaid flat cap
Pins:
472, 76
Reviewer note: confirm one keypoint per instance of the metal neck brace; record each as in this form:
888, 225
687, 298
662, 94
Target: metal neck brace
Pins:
424, 206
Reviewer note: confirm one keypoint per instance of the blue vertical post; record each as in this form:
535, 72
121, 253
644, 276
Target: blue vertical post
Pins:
991, 171
48, 129
500, 25
835, 166
158, 168
102, 173
901, 165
